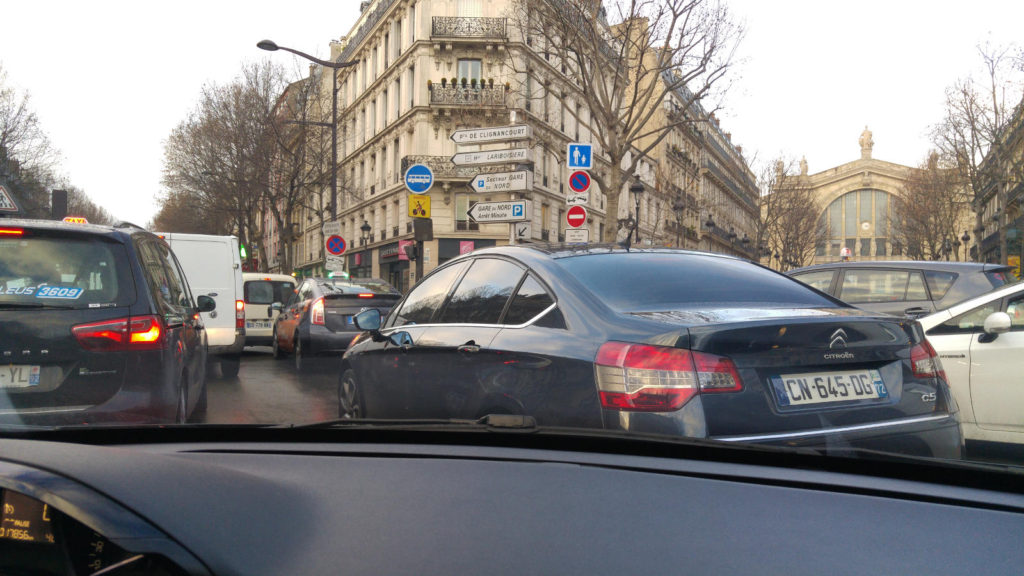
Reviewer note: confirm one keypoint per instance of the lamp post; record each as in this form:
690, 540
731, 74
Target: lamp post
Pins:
636, 189
271, 46
678, 206
710, 225
966, 238
365, 231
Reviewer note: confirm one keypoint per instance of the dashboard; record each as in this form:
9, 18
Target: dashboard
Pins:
387, 502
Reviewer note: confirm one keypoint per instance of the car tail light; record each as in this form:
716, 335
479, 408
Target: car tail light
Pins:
925, 361
11, 231
239, 313
644, 378
316, 314
365, 295
138, 333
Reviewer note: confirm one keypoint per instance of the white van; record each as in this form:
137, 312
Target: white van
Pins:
213, 267
262, 291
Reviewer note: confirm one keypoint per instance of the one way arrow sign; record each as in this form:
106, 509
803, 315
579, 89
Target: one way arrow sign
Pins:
522, 231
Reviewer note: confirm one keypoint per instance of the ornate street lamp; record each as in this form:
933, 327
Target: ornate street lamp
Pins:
678, 206
365, 229
637, 189
272, 46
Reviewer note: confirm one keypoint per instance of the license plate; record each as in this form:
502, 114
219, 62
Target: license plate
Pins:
826, 387
19, 376
257, 324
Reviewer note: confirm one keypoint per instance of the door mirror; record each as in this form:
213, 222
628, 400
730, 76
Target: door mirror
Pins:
206, 304
997, 323
368, 320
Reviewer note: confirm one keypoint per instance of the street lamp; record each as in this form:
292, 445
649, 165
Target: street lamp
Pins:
966, 239
710, 224
365, 229
271, 46
636, 189
678, 206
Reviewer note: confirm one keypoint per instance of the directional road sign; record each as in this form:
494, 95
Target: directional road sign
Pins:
522, 231
503, 181
579, 181
419, 178
331, 229
579, 156
507, 211
492, 134
576, 216
335, 245
577, 235
493, 157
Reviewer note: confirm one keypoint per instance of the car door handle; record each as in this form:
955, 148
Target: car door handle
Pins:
469, 348
916, 311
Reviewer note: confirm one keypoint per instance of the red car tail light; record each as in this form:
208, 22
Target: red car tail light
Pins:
316, 313
139, 333
11, 231
643, 378
239, 313
925, 361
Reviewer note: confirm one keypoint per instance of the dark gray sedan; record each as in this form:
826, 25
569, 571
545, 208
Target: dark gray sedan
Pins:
658, 341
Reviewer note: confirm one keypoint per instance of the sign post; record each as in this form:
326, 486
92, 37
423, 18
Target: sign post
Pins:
507, 211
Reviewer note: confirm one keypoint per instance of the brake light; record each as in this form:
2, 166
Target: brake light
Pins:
925, 361
139, 333
239, 313
11, 231
639, 377
365, 295
316, 314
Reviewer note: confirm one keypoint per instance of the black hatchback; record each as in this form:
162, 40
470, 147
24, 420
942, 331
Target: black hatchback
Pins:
97, 326
653, 341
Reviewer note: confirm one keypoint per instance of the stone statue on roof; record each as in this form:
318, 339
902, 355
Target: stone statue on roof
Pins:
865, 144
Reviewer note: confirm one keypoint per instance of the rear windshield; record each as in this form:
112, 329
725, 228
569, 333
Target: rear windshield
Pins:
267, 291
662, 281
357, 286
1001, 277
75, 272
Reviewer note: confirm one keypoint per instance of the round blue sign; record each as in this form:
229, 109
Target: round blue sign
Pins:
419, 179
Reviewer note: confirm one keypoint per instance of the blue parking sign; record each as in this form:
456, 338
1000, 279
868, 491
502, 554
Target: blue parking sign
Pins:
419, 179
579, 156
517, 210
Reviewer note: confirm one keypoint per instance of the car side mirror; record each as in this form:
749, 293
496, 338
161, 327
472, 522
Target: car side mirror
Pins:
368, 320
997, 323
206, 304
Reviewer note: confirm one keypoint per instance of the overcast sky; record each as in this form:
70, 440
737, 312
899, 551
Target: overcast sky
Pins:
110, 80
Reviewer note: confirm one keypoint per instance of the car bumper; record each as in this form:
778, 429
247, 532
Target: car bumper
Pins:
320, 340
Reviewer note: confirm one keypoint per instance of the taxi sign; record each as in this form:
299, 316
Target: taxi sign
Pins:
75, 220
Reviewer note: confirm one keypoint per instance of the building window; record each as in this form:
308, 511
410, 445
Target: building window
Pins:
462, 221
470, 70
398, 163
387, 49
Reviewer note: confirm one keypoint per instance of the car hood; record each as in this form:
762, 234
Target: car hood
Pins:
704, 315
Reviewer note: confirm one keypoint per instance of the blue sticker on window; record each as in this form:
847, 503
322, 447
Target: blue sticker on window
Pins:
60, 292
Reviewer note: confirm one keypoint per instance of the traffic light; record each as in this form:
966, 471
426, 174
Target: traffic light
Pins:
241, 251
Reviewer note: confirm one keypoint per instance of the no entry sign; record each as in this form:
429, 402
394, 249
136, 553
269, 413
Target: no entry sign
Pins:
576, 216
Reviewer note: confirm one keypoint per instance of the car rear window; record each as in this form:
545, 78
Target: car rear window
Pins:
939, 282
267, 291
1001, 277
73, 272
647, 281
357, 286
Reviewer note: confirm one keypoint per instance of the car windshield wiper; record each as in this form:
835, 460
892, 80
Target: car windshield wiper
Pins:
33, 305
509, 422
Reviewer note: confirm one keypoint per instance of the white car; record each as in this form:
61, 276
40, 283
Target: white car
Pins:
263, 290
981, 344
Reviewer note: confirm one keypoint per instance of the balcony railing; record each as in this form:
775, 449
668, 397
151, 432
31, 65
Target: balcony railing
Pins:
442, 167
468, 96
466, 27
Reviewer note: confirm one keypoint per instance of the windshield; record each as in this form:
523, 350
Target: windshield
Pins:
580, 212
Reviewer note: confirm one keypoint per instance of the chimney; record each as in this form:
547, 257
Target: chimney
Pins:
728, 136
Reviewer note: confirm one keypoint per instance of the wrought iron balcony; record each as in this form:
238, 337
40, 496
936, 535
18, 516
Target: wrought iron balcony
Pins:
467, 27
467, 96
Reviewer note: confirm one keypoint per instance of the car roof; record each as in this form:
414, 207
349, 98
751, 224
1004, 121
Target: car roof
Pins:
126, 228
564, 250
905, 264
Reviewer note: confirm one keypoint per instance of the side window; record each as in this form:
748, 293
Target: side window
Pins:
915, 287
1015, 308
968, 322
819, 279
181, 299
305, 291
483, 292
531, 299
156, 275
939, 282
860, 286
424, 300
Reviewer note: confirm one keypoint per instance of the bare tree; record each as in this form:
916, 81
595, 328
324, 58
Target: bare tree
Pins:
219, 159
791, 223
928, 210
969, 135
623, 69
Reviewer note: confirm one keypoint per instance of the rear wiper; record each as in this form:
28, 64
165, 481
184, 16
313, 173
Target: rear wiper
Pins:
33, 305
502, 422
